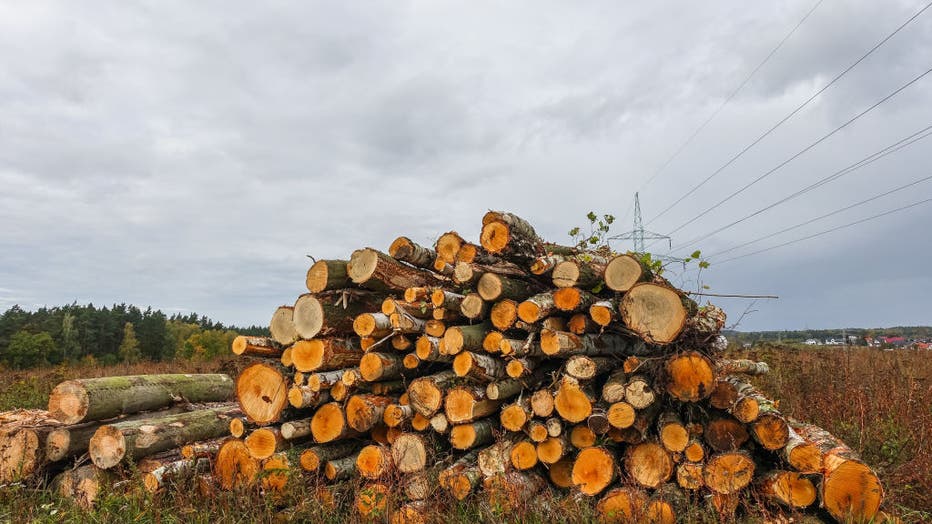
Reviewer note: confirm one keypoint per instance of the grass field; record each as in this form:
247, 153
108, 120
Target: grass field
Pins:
879, 403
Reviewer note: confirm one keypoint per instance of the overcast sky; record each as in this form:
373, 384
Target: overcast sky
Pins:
189, 155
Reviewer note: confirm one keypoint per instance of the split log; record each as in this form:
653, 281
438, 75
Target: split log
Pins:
473, 434
377, 271
256, 347
649, 464
690, 376
788, 488
573, 300
375, 462
466, 404
426, 393
729, 472
75, 401
135, 439
406, 250
265, 442
594, 470
282, 326
325, 275
234, 467
655, 312
262, 392
325, 354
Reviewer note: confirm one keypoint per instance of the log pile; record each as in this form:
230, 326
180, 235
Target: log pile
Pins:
510, 368
502, 371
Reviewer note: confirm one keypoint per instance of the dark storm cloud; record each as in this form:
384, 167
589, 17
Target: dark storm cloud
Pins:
189, 156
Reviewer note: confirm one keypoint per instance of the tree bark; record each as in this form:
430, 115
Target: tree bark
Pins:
406, 250
484, 368
364, 412
375, 270
325, 275
563, 344
472, 434
492, 287
573, 300
374, 366
75, 401
468, 403
513, 238
325, 354
256, 347
139, 438
331, 313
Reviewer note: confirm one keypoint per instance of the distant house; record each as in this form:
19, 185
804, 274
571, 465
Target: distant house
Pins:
896, 342
812, 342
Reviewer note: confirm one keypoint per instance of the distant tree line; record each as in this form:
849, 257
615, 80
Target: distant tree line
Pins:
910, 332
109, 335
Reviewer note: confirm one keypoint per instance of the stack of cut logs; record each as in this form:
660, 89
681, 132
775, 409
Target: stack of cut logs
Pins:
502, 371
517, 366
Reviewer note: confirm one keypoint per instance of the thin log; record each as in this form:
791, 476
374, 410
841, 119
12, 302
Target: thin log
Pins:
256, 347
325, 275
406, 250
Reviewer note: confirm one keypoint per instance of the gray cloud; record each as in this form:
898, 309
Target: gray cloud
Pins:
189, 156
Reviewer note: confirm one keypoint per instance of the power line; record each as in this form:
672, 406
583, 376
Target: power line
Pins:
827, 231
803, 151
792, 113
816, 219
730, 96
866, 161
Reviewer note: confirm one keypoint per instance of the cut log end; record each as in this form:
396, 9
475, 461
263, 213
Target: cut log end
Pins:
68, 402
691, 377
594, 470
495, 236
649, 464
728, 473
852, 492
262, 392
107, 447
329, 423
622, 272
654, 312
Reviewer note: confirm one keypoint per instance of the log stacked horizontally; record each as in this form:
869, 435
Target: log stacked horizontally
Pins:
501, 370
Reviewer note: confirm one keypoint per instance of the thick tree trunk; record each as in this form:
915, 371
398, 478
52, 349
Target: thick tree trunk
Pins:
624, 271
135, 439
234, 467
788, 488
325, 275
331, 313
364, 412
262, 393
82, 400
655, 312
377, 271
